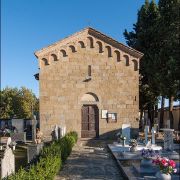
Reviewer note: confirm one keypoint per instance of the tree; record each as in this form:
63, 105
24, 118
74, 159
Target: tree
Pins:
20, 102
169, 52
144, 38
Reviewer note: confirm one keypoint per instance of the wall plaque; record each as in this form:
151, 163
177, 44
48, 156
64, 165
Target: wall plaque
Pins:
104, 114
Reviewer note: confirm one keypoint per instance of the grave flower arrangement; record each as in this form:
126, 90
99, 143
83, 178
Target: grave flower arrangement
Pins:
166, 166
133, 142
148, 153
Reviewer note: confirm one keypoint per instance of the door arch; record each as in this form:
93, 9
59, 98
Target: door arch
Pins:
89, 121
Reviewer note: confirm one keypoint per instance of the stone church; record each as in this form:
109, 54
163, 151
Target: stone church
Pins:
89, 83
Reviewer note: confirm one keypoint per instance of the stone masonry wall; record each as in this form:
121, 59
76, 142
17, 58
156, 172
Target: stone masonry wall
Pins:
114, 80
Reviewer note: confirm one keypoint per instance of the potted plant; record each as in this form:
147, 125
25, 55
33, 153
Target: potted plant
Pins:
166, 168
147, 155
133, 144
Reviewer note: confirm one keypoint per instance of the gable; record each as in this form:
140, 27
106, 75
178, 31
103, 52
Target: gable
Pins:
88, 39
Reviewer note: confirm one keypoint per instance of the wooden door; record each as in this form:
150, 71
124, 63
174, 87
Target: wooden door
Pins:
90, 121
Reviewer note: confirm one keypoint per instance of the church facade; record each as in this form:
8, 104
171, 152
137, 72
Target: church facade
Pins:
89, 83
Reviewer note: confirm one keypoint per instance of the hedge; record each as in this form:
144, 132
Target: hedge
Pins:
49, 161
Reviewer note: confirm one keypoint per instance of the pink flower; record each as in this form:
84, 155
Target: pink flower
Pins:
164, 162
172, 163
175, 170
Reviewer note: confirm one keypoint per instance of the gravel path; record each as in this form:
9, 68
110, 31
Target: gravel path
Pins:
90, 161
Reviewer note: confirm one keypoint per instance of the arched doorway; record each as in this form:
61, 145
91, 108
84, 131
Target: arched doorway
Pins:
89, 116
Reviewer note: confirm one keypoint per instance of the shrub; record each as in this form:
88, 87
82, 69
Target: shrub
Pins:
49, 161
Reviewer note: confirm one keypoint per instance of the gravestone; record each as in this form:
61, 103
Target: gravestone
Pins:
168, 139
153, 131
126, 131
62, 131
146, 130
34, 150
19, 124
34, 123
56, 132
7, 160
19, 137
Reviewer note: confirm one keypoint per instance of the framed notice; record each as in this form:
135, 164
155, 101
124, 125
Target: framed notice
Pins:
112, 117
104, 114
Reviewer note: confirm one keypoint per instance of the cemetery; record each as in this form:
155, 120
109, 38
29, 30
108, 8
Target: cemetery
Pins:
101, 106
135, 157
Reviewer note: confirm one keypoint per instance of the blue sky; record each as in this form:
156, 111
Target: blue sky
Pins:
29, 25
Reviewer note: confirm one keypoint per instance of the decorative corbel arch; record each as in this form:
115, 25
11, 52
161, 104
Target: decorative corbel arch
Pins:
54, 57
100, 46
45, 61
126, 57
90, 42
109, 51
118, 55
81, 43
73, 49
64, 54
136, 65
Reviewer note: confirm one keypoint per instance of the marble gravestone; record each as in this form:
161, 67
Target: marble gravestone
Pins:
169, 145
34, 123
168, 139
153, 131
19, 124
7, 160
56, 132
33, 150
146, 130
126, 131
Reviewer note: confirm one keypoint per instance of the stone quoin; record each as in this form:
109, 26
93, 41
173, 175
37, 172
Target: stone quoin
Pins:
84, 74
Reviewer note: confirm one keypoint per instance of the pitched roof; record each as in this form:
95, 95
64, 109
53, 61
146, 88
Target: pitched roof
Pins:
101, 36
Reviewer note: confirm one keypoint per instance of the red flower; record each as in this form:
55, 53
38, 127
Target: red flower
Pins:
172, 163
164, 162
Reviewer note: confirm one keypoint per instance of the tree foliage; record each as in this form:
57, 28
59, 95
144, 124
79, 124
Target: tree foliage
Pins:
18, 102
156, 34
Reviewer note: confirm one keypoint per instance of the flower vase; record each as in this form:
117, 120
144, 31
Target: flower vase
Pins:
162, 176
